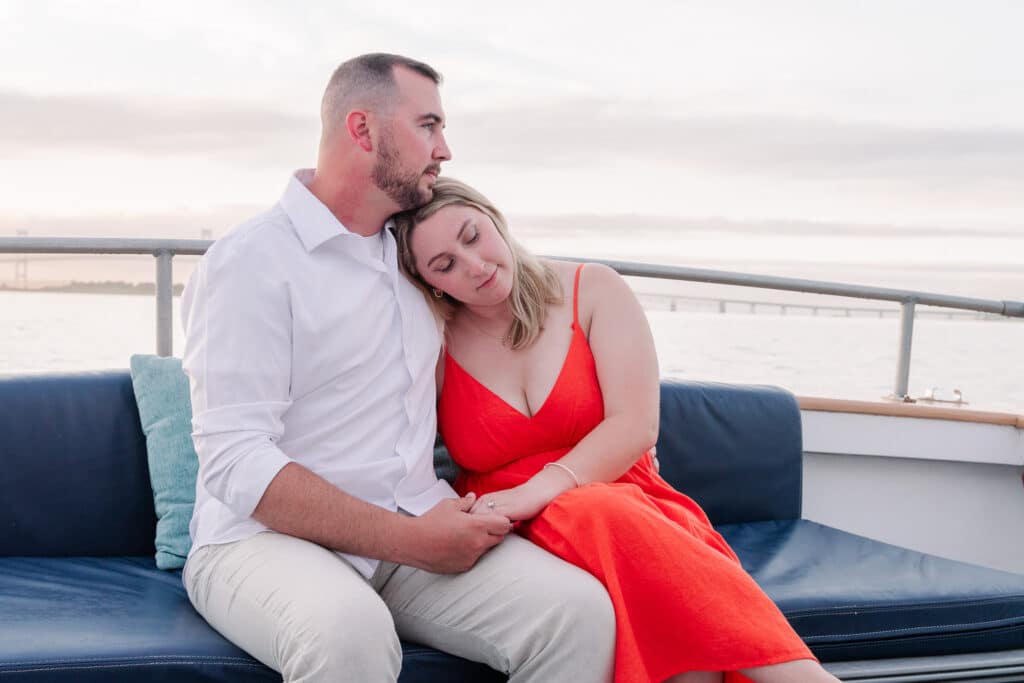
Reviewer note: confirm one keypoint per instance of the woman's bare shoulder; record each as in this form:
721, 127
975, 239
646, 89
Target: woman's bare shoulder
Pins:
563, 268
566, 271
599, 285
597, 273
601, 276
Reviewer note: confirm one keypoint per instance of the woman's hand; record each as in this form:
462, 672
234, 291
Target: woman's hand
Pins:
524, 501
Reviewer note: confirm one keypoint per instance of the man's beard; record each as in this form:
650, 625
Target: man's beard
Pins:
403, 190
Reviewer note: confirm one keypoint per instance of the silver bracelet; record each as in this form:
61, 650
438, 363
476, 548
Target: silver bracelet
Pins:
566, 469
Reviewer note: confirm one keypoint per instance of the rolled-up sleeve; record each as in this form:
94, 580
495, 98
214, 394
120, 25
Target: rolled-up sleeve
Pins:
238, 353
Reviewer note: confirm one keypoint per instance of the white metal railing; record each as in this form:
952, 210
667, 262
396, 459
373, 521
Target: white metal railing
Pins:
164, 250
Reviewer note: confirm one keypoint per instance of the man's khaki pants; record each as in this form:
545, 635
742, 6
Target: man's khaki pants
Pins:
305, 612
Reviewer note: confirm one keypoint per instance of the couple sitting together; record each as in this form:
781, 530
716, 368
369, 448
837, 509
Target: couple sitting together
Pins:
325, 345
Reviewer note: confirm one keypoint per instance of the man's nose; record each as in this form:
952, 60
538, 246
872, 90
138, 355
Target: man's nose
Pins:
441, 151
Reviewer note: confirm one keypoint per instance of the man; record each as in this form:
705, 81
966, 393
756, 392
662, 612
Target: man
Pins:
320, 531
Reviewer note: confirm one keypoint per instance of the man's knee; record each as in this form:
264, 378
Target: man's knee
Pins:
575, 619
343, 640
590, 614
570, 606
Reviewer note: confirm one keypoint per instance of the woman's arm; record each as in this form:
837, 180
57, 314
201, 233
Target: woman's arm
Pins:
627, 371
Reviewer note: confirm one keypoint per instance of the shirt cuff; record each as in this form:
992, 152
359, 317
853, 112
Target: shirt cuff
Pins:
261, 466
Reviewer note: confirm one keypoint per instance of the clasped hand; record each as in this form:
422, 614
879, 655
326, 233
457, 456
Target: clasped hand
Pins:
450, 540
518, 503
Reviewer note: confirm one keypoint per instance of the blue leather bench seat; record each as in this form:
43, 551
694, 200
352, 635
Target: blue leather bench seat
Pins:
737, 450
853, 598
82, 600
113, 619
849, 597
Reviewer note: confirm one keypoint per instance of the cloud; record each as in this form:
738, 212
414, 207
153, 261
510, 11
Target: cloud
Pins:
584, 132
640, 225
189, 224
30, 124
177, 224
561, 134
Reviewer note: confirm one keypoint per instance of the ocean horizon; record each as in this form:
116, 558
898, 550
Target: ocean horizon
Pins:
829, 355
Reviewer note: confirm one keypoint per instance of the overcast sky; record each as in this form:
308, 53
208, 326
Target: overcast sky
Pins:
163, 118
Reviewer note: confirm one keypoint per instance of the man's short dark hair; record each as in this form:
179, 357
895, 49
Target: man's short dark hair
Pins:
366, 81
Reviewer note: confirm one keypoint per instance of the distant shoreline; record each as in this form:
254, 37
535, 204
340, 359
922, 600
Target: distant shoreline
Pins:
104, 287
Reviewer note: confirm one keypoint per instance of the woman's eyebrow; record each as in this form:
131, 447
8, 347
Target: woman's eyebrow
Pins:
458, 237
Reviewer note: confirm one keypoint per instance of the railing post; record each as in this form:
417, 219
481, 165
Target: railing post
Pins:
906, 339
164, 293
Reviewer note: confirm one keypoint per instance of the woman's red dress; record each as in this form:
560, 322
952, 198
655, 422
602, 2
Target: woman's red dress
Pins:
682, 601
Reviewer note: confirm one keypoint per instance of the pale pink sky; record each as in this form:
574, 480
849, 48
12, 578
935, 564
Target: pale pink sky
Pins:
163, 119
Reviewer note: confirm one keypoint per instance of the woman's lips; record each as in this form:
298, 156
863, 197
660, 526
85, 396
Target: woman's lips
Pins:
489, 281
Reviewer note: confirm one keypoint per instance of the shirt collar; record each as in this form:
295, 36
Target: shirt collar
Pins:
313, 221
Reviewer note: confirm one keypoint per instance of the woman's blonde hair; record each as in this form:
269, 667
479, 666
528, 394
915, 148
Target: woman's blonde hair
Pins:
535, 284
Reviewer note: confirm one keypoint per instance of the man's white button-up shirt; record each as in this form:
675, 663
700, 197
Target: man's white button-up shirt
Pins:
304, 343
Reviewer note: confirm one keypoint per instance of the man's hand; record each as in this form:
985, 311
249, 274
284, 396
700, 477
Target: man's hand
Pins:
450, 540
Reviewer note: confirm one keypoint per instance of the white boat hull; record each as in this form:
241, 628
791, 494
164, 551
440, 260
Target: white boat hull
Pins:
946, 487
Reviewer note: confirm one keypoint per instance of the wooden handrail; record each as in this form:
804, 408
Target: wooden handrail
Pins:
893, 409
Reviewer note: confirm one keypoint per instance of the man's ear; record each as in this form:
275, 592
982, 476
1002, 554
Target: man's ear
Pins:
358, 128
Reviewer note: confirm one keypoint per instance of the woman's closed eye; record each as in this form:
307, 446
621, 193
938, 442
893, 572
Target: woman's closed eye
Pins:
470, 239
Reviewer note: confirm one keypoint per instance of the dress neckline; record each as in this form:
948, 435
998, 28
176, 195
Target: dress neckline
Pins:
576, 334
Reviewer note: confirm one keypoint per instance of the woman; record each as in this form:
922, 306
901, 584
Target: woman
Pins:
549, 403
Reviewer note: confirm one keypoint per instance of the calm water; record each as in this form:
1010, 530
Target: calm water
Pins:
851, 357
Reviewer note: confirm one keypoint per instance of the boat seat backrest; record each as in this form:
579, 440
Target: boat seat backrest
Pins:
75, 480
73, 473
737, 450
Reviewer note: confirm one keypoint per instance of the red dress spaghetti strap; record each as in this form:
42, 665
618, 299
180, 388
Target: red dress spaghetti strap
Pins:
682, 601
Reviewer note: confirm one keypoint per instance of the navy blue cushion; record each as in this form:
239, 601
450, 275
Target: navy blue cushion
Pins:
422, 664
736, 450
76, 483
122, 619
851, 597
109, 619
75, 480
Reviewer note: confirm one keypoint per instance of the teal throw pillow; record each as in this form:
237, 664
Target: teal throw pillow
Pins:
165, 410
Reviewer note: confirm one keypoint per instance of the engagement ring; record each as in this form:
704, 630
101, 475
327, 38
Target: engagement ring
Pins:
490, 504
